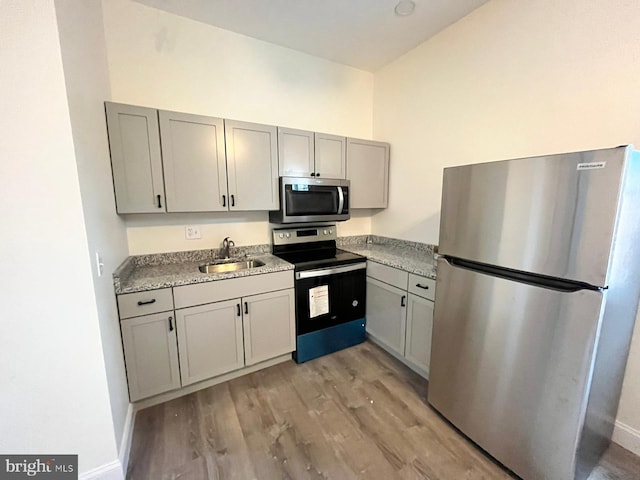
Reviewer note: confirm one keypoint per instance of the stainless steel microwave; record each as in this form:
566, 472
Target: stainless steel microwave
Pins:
312, 200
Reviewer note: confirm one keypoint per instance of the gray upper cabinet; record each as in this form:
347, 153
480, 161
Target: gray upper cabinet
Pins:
296, 152
308, 154
194, 161
135, 158
330, 153
368, 171
252, 166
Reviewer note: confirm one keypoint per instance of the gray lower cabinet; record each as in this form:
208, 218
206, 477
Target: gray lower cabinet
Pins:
368, 171
419, 327
210, 340
269, 325
194, 162
386, 314
136, 162
151, 354
400, 314
218, 327
224, 336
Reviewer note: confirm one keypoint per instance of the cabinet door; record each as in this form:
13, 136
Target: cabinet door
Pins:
134, 141
419, 326
210, 340
296, 153
368, 171
194, 160
386, 314
252, 166
330, 156
150, 354
269, 325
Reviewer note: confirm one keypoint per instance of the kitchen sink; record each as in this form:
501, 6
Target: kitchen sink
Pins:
230, 265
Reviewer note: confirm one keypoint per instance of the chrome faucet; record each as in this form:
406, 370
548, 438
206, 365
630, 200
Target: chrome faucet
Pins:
227, 243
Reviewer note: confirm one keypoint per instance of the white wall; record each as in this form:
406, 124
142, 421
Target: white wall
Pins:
512, 79
162, 60
87, 82
54, 388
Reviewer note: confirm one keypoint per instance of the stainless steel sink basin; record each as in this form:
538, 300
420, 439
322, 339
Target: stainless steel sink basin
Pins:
229, 266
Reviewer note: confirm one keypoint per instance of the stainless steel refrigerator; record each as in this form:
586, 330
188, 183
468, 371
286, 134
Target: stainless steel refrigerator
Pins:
537, 289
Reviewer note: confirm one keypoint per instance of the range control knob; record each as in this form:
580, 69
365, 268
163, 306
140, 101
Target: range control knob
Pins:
325, 232
288, 235
281, 235
330, 231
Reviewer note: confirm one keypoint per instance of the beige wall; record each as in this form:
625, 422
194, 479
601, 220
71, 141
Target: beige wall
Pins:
162, 60
512, 79
87, 82
54, 396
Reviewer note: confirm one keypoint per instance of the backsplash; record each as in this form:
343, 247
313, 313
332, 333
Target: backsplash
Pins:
355, 240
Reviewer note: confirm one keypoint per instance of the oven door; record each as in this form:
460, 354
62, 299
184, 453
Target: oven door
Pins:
330, 296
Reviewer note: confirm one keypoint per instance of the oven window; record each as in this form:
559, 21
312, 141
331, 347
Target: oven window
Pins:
311, 200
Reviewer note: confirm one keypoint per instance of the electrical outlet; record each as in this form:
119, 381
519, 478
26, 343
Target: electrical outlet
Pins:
192, 232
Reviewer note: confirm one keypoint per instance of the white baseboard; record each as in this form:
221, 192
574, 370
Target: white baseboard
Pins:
108, 471
627, 437
127, 436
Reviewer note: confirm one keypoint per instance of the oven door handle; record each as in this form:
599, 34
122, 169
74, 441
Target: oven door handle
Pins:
323, 272
340, 200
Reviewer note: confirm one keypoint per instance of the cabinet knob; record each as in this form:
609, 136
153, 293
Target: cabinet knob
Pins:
424, 287
224, 200
239, 312
317, 174
159, 201
171, 324
313, 174
402, 301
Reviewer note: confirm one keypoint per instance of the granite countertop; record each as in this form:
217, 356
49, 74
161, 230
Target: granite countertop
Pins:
149, 272
140, 273
412, 257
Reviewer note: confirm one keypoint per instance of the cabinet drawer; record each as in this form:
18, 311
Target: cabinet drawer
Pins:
422, 286
390, 275
143, 303
201, 293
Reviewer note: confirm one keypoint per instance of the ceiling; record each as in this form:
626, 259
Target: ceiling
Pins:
365, 34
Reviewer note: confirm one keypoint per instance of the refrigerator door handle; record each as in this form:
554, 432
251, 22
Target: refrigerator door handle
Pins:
535, 279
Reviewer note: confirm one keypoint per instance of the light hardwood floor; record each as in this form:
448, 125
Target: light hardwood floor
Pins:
358, 413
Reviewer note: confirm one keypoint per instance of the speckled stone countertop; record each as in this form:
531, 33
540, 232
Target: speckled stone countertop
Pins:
412, 257
140, 273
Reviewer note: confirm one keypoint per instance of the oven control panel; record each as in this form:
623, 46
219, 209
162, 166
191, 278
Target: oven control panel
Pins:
286, 236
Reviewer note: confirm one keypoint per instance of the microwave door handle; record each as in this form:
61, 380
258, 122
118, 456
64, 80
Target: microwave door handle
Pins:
340, 200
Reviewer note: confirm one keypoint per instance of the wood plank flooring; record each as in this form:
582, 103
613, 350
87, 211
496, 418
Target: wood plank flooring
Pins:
358, 413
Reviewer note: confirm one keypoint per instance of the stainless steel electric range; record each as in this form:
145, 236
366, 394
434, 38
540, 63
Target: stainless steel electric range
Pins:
330, 290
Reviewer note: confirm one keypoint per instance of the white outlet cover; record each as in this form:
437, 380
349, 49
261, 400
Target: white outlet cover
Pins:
192, 232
